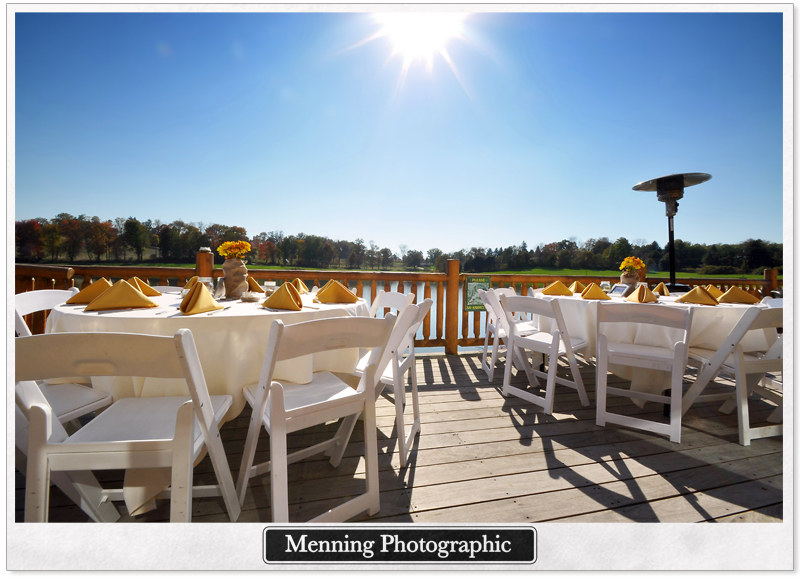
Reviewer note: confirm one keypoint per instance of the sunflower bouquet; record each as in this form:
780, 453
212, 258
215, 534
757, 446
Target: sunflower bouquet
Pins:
235, 249
631, 264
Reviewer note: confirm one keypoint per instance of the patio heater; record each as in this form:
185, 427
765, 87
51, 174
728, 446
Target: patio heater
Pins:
670, 190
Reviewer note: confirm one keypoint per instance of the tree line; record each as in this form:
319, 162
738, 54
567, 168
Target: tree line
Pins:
121, 240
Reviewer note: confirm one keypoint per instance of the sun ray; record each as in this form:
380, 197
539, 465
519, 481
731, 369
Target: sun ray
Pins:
419, 37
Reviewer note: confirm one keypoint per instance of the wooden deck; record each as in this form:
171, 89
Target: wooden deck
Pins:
485, 458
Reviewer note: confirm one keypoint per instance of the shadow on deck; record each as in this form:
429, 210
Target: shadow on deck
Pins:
483, 458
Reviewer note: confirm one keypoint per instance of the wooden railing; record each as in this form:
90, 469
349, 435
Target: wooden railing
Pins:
440, 327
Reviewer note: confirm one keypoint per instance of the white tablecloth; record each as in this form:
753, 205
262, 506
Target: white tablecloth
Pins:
230, 343
710, 327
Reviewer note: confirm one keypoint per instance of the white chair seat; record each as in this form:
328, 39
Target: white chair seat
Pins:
122, 421
546, 339
703, 355
641, 351
69, 401
324, 387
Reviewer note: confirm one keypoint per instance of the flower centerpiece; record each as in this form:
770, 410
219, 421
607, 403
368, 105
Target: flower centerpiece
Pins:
630, 267
234, 268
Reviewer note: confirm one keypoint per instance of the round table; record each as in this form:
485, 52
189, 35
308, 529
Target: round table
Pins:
710, 326
230, 343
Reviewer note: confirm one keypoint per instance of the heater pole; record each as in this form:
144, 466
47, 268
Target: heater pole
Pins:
671, 251
670, 190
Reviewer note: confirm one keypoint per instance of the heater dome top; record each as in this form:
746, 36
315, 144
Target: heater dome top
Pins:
689, 179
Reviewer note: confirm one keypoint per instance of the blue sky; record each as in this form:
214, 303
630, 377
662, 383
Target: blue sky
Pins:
288, 121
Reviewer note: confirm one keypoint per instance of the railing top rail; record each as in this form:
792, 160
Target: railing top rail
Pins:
51, 271
364, 275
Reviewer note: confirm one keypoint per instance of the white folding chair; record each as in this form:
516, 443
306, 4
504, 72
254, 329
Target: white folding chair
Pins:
391, 300
398, 360
497, 325
639, 355
553, 344
772, 302
283, 408
158, 432
69, 400
749, 370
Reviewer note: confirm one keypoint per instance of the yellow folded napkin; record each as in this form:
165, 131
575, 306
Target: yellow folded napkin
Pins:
698, 296
253, 285
335, 293
300, 286
87, 294
714, 291
661, 289
284, 298
143, 287
736, 295
198, 301
577, 287
594, 292
556, 289
190, 283
120, 296
642, 295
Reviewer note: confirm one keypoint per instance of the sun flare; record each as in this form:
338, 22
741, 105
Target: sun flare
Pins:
420, 35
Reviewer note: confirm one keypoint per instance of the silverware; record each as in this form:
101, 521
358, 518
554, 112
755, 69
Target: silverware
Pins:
218, 311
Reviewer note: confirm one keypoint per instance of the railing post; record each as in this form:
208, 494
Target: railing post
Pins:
204, 265
771, 275
451, 308
643, 274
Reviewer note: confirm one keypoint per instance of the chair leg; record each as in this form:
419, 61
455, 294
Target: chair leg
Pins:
182, 466
743, 412
279, 473
576, 375
550, 390
484, 354
399, 422
37, 488
37, 476
495, 356
676, 394
601, 380
371, 456
509, 364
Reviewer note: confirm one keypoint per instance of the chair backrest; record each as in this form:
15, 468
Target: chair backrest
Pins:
758, 319
392, 300
667, 316
773, 302
37, 301
544, 307
491, 316
295, 340
407, 342
492, 302
658, 315
109, 354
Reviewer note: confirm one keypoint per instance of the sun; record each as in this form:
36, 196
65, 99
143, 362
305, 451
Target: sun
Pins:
420, 35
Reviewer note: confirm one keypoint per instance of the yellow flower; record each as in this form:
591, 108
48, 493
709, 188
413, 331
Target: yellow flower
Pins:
236, 249
631, 264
